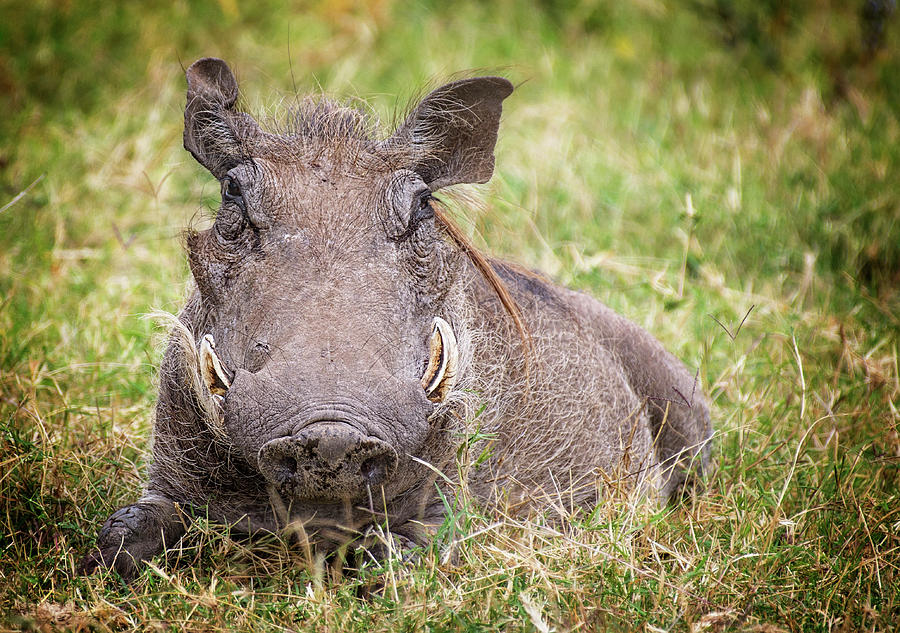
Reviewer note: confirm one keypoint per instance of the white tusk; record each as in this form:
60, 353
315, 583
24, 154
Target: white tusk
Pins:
440, 375
214, 375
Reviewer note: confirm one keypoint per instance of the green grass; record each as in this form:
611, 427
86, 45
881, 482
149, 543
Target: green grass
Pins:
682, 166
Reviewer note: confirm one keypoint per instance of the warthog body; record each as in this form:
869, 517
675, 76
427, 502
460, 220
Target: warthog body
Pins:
344, 339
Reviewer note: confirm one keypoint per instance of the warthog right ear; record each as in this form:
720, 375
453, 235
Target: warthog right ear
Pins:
453, 130
213, 130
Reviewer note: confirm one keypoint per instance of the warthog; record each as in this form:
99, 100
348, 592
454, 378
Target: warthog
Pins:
345, 341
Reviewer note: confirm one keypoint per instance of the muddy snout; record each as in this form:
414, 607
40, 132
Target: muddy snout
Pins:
327, 462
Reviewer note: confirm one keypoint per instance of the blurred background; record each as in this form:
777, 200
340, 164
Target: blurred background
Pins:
777, 118
696, 164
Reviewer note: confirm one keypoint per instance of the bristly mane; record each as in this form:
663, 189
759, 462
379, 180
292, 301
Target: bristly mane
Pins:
327, 121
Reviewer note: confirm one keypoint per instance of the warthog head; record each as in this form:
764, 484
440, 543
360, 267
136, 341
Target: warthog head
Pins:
327, 285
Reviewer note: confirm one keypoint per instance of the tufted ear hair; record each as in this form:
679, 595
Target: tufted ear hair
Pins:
453, 130
213, 129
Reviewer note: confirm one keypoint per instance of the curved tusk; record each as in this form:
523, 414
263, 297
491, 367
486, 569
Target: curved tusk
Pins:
440, 375
214, 375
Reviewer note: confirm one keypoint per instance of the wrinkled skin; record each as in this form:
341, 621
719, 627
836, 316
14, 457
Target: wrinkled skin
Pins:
319, 283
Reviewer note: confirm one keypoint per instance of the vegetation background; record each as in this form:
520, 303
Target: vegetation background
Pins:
722, 172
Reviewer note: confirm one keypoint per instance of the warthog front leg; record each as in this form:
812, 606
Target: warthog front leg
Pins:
378, 549
135, 534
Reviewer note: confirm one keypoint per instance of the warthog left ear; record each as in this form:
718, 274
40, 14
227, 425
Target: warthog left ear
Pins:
452, 132
213, 130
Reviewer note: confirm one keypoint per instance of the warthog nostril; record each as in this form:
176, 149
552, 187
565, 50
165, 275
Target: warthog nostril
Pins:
326, 462
284, 467
375, 469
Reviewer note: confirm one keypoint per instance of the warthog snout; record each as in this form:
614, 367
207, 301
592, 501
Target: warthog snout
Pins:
329, 461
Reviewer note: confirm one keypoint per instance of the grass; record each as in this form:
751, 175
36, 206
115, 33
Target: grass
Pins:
722, 177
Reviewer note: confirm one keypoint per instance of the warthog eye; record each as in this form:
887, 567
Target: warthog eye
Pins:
421, 210
231, 191
234, 215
